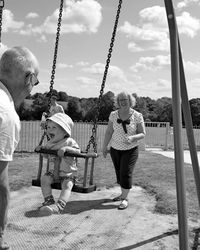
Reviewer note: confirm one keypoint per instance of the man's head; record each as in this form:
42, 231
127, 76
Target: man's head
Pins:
18, 72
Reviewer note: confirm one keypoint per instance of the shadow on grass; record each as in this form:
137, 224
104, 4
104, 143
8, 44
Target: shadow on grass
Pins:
76, 207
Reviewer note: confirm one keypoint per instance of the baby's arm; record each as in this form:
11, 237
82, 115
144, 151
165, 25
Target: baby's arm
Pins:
70, 146
38, 148
69, 149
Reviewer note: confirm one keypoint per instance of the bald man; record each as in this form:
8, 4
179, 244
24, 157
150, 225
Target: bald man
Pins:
18, 75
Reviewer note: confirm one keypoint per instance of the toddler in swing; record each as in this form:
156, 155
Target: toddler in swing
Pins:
59, 128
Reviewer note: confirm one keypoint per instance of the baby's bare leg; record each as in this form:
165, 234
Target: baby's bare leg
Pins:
46, 182
67, 186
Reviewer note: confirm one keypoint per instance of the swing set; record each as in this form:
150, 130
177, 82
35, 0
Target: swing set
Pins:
87, 185
179, 96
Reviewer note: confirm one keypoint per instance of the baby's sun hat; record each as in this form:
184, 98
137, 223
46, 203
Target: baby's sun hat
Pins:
63, 120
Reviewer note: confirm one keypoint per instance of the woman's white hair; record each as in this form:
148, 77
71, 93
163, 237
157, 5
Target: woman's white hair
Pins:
131, 98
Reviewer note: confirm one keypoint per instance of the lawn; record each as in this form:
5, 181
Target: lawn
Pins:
155, 173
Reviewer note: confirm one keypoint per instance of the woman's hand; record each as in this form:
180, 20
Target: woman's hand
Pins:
130, 139
105, 151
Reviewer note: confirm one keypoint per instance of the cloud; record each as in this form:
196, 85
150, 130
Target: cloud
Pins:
159, 87
188, 25
86, 81
99, 68
32, 15
82, 64
152, 32
63, 66
193, 87
186, 3
9, 23
3, 48
151, 63
192, 67
78, 17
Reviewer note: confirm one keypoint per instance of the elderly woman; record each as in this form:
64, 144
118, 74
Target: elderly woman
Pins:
125, 129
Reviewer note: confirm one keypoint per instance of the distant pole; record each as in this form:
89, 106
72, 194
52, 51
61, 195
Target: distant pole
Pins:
177, 122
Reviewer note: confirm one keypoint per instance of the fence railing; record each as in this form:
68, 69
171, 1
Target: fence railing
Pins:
157, 135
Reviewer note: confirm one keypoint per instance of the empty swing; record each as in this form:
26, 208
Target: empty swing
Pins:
87, 184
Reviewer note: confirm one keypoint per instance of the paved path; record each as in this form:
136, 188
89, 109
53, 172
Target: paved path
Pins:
170, 154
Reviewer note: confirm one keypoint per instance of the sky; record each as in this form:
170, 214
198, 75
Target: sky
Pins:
140, 61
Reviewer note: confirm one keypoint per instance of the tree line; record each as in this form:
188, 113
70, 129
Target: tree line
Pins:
87, 109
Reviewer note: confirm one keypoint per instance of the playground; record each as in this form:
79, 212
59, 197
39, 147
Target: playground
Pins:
92, 220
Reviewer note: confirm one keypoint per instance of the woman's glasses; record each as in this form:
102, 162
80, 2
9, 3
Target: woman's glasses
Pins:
123, 100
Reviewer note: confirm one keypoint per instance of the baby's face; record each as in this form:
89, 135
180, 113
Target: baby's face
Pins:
55, 132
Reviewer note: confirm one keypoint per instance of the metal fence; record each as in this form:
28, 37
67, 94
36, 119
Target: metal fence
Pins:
157, 135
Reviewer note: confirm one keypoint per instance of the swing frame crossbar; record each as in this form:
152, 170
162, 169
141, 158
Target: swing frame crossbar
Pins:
86, 186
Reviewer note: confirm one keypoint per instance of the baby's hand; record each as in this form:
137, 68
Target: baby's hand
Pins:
61, 152
38, 148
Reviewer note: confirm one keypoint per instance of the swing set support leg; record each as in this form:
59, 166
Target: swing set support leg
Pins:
85, 173
177, 120
91, 172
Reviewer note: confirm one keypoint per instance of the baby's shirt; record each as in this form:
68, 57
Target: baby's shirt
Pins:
68, 165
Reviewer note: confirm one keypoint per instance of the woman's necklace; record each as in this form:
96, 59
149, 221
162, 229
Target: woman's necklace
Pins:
124, 115
126, 120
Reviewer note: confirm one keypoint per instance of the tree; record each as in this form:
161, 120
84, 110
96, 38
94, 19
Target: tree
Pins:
141, 106
74, 109
166, 115
106, 106
62, 96
88, 107
195, 111
40, 105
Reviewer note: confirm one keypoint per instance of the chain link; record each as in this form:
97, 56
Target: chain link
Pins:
94, 129
55, 55
1, 16
53, 68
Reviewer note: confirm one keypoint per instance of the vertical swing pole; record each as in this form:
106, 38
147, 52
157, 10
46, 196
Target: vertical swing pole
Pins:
177, 120
189, 127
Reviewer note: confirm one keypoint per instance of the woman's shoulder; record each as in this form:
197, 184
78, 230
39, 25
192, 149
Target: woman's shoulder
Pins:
113, 114
137, 114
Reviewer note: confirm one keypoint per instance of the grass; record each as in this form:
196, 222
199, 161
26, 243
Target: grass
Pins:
155, 173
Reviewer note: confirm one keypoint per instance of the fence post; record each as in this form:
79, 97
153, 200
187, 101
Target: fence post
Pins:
166, 136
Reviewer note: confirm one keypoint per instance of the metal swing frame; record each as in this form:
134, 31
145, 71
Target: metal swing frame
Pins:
87, 185
1, 16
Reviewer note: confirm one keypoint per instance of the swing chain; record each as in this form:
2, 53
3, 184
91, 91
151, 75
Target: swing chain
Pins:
53, 69
55, 54
1, 16
94, 129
